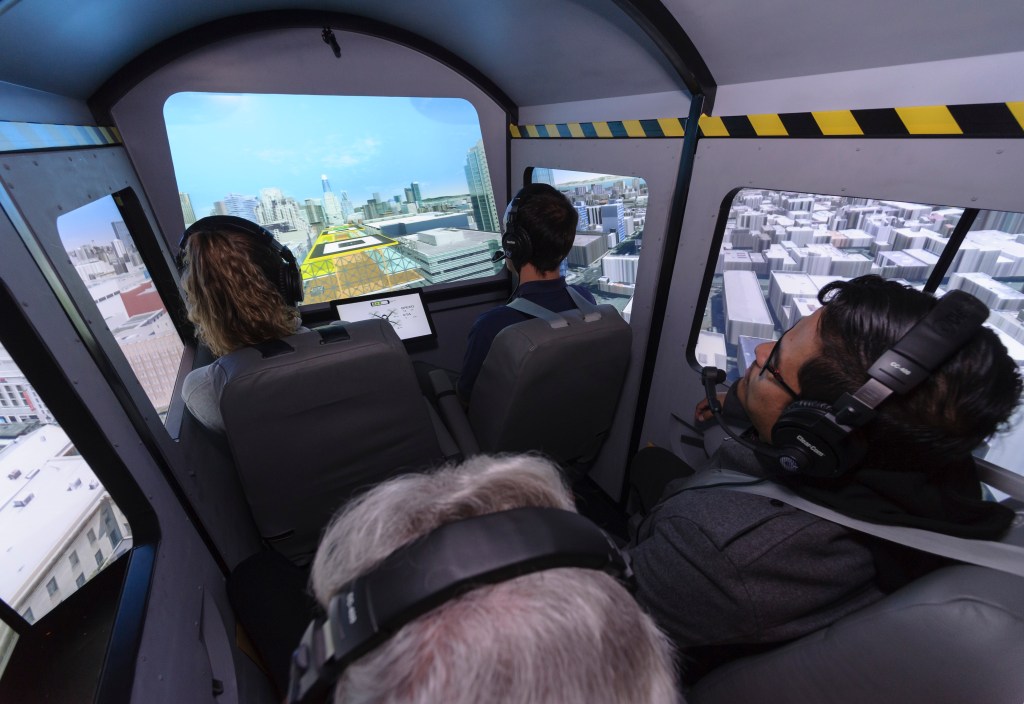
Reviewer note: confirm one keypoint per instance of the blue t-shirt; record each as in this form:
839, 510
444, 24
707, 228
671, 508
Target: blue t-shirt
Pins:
550, 294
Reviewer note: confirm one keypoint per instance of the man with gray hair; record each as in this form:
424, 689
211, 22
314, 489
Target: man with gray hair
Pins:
566, 635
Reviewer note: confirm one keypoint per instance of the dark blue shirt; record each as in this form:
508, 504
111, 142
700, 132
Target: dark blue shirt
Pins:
550, 294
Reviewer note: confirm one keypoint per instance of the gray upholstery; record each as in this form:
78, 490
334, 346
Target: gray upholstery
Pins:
552, 389
954, 636
324, 415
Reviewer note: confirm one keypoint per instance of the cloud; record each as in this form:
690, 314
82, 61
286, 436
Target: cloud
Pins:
275, 156
349, 155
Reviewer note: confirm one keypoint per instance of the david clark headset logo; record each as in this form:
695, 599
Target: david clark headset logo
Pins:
900, 368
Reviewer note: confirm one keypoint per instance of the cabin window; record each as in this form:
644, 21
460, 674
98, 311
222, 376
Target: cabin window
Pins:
103, 253
370, 194
990, 265
605, 255
49, 513
779, 248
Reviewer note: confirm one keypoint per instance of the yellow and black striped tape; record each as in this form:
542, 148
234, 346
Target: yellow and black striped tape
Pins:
974, 120
612, 129
26, 136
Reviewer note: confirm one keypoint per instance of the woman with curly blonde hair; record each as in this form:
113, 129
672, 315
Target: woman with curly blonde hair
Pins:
241, 287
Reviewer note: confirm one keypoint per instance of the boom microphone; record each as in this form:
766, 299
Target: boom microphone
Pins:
712, 376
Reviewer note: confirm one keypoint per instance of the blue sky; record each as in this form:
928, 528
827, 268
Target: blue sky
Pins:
240, 143
90, 223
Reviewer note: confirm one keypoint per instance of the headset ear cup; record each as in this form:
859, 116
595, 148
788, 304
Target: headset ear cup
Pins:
291, 278
819, 446
517, 245
295, 283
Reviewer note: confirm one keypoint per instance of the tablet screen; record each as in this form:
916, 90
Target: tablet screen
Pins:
403, 309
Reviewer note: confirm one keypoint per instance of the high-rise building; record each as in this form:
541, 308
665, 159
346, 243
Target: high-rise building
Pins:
451, 254
21, 403
586, 249
620, 267
186, 208
417, 197
240, 206
315, 212
282, 215
346, 206
334, 213
581, 210
612, 217
121, 231
410, 197
478, 178
544, 176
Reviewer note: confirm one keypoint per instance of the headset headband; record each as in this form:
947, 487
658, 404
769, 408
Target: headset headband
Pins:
435, 568
285, 276
947, 327
817, 439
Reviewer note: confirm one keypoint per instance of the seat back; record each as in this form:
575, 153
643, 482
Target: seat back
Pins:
955, 635
553, 389
314, 417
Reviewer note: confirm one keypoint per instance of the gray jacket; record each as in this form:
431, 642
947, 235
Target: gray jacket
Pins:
726, 573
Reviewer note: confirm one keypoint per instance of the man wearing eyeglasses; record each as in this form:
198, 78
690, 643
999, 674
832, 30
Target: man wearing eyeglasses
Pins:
728, 573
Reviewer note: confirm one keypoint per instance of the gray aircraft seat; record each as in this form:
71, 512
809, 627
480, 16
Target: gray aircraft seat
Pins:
314, 417
955, 636
547, 384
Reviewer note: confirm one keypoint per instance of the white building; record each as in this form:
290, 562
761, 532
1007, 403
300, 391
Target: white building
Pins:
745, 309
58, 525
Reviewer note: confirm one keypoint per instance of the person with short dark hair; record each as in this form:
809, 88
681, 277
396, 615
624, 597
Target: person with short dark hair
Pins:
727, 573
540, 227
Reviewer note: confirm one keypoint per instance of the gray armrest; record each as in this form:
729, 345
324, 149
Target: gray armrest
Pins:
452, 413
449, 448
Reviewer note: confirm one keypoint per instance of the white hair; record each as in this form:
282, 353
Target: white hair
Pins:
568, 635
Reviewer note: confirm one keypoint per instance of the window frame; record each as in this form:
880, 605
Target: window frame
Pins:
528, 174
940, 271
956, 239
321, 312
34, 358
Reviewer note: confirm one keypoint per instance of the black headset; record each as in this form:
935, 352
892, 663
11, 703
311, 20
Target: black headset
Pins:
817, 439
515, 240
284, 274
434, 569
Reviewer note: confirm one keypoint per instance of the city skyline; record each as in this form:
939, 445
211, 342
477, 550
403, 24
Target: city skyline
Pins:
241, 143
92, 223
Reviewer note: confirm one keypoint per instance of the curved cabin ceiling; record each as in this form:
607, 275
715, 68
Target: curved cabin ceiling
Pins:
536, 51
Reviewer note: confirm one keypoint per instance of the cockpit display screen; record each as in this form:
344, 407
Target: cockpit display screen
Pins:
403, 309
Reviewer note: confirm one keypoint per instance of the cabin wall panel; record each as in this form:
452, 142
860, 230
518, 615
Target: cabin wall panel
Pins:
170, 651
978, 79
979, 173
21, 104
293, 61
48, 184
630, 107
657, 162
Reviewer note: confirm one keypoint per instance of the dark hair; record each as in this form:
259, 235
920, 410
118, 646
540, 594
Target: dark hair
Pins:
970, 397
550, 220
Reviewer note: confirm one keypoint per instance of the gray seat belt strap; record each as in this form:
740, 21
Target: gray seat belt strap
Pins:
1001, 556
532, 309
589, 310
